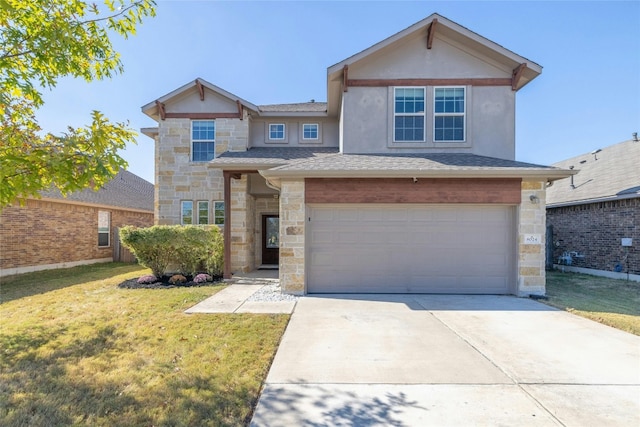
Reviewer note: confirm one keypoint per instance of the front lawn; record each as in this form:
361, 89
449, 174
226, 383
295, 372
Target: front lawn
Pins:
612, 302
76, 350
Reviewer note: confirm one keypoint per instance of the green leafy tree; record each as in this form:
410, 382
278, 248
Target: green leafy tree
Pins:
42, 41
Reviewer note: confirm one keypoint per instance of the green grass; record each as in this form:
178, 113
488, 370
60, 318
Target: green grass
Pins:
77, 350
609, 301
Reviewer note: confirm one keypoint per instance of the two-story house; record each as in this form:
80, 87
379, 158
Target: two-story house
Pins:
404, 181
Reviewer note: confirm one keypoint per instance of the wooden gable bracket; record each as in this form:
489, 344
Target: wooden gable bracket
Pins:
200, 89
239, 104
345, 78
163, 114
516, 75
431, 32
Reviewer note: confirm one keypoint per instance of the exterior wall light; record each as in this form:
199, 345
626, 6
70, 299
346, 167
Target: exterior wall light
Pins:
534, 199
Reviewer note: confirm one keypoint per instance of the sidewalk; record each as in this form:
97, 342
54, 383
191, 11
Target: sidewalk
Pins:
255, 292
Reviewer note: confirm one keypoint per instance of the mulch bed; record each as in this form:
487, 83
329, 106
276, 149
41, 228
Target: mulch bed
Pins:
163, 283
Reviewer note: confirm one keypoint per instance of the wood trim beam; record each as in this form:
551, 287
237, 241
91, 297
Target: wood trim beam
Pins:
161, 110
431, 32
200, 89
203, 116
239, 105
430, 82
516, 75
227, 225
345, 78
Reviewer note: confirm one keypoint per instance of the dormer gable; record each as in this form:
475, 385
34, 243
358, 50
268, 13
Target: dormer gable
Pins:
199, 99
433, 51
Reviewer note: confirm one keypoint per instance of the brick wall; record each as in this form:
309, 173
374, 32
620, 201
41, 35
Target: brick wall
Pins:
595, 230
47, 233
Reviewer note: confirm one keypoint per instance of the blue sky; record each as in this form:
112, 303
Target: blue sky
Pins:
269, 52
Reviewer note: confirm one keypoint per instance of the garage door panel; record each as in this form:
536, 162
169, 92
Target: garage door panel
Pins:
410, 248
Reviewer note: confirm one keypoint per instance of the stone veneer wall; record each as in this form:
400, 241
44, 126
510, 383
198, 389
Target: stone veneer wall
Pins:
292, 229
178, 178
531, 256
595, 230
242, 226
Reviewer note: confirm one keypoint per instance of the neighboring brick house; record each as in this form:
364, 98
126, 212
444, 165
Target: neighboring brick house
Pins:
404, 181
595, 215
57, 232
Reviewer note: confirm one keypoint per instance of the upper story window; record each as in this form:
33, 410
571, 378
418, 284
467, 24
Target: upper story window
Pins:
408, 115
449, 114
310, 131
203, 140
276, 131
186, 212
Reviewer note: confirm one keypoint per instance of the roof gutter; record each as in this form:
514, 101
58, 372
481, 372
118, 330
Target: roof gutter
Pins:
591, 201
548, 175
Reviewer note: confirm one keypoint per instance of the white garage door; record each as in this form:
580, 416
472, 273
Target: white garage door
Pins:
410, 249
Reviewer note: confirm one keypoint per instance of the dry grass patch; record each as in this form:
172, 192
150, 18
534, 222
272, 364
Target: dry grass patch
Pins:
76, 350
613, 302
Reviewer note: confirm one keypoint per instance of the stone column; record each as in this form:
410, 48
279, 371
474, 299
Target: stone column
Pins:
531, 239
242, 208
292, 229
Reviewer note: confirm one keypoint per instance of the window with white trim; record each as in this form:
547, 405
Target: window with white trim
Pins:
104, 226
276, 131
309, 131
449, 114
409, 114
203, 140
218, 213
203, 212
186, 212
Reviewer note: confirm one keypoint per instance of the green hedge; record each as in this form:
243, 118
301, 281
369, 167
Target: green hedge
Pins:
192, 249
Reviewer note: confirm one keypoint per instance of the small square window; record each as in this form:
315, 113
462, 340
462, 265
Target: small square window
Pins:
276, 131
310, 131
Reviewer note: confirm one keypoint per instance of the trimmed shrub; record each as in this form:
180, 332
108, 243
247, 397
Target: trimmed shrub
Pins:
177, 279
191, 248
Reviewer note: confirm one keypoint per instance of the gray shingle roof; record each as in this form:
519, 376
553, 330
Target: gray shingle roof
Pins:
615, 174
125, 190
272, 155
303, 107
402, 162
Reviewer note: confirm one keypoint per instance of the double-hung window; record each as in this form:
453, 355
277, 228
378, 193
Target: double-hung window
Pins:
276, 131
203, 140
218, 213
409, 114
449, 114
186, 212
104, 226
203, 212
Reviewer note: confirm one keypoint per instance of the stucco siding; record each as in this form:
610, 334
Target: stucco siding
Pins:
410, 58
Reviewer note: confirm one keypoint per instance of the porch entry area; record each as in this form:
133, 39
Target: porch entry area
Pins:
270, 241
252, 224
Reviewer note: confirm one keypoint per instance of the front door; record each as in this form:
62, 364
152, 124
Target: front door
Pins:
270, 239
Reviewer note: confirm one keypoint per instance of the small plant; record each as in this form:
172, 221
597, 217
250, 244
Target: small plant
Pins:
177, 279
202, 278
147, 279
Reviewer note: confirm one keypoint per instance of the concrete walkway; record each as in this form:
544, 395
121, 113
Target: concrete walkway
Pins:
383, 360
236, 298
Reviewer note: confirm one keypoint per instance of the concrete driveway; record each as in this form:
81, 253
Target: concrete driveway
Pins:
374, 360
